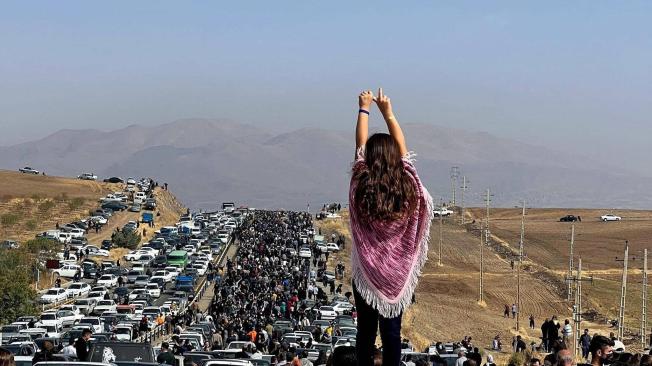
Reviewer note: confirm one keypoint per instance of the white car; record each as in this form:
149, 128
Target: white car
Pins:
68, 318
149, 250
174, 271
86, 305
332, 247
96, 295
201, 268
87, 176
305, 252
322, 247
443, 212
108, 280
340, 307
28, 170
51, 318
92, 323
327, 313
105, 305
68, 270
75, 232
99, 219
133, 294
136, 254
54, 295
153, 289
79, 289
167, 276
224, 237
610, 217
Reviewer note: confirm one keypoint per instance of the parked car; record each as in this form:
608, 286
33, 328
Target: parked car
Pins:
305, 252
8, 244
569, 218
67, 270
54, 295
29, 170
87, 176
114, 205
443, 212
327, 313
610, 217
95, 251
113, 180
78, 289
108, 280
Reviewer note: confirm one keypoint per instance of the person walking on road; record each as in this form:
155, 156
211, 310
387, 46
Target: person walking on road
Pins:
387, 200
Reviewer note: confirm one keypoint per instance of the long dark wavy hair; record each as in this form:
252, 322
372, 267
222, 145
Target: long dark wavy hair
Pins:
384, 192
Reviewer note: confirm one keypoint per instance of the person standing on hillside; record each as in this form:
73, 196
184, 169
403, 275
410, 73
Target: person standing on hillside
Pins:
390, 212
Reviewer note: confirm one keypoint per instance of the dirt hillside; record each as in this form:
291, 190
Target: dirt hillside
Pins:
30, 204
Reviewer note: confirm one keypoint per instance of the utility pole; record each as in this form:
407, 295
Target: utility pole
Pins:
455, 173
481, 300
577, 319
570, 263
623, 292
464, 188
441, 235
518, 270
577, 305
486, 224
644, 307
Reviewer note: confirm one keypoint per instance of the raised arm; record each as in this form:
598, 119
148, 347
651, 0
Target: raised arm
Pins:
385, 106
362, 128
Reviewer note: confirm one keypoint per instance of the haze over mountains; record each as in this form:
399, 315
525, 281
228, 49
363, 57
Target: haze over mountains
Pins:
206, 162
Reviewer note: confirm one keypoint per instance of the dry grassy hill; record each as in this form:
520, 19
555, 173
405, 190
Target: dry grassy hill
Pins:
30, 204
547, 245
447, 305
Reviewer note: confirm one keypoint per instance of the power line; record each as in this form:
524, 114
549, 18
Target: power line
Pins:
518, 270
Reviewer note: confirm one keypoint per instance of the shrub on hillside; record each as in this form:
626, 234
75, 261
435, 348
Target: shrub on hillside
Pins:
128, 239
46, 206
76, 203
31, 225
9, 219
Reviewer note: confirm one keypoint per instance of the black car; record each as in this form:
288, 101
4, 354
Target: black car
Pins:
114, 205
161, 261
162, 284
570, 218
114, 180
107, 244
90, 269
122, 292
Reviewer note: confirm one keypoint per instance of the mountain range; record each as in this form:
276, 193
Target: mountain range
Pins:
206, 162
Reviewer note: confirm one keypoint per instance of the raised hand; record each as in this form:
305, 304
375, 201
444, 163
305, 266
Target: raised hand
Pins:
365, 99
384, 104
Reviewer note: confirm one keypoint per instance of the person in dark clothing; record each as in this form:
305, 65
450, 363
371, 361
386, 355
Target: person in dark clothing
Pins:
585, 344
46, 354
544, 335
520, 344
165, 357
82, 345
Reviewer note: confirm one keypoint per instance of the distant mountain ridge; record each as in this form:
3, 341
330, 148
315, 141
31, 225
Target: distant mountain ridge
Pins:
209, 161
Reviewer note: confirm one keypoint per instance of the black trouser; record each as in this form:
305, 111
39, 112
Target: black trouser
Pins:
390, 334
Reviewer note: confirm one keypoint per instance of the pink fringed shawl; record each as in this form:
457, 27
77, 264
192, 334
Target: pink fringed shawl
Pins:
387, 257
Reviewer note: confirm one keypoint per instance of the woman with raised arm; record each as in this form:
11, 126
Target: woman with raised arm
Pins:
390, 223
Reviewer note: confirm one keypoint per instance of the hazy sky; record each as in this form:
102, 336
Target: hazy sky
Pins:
574, 76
